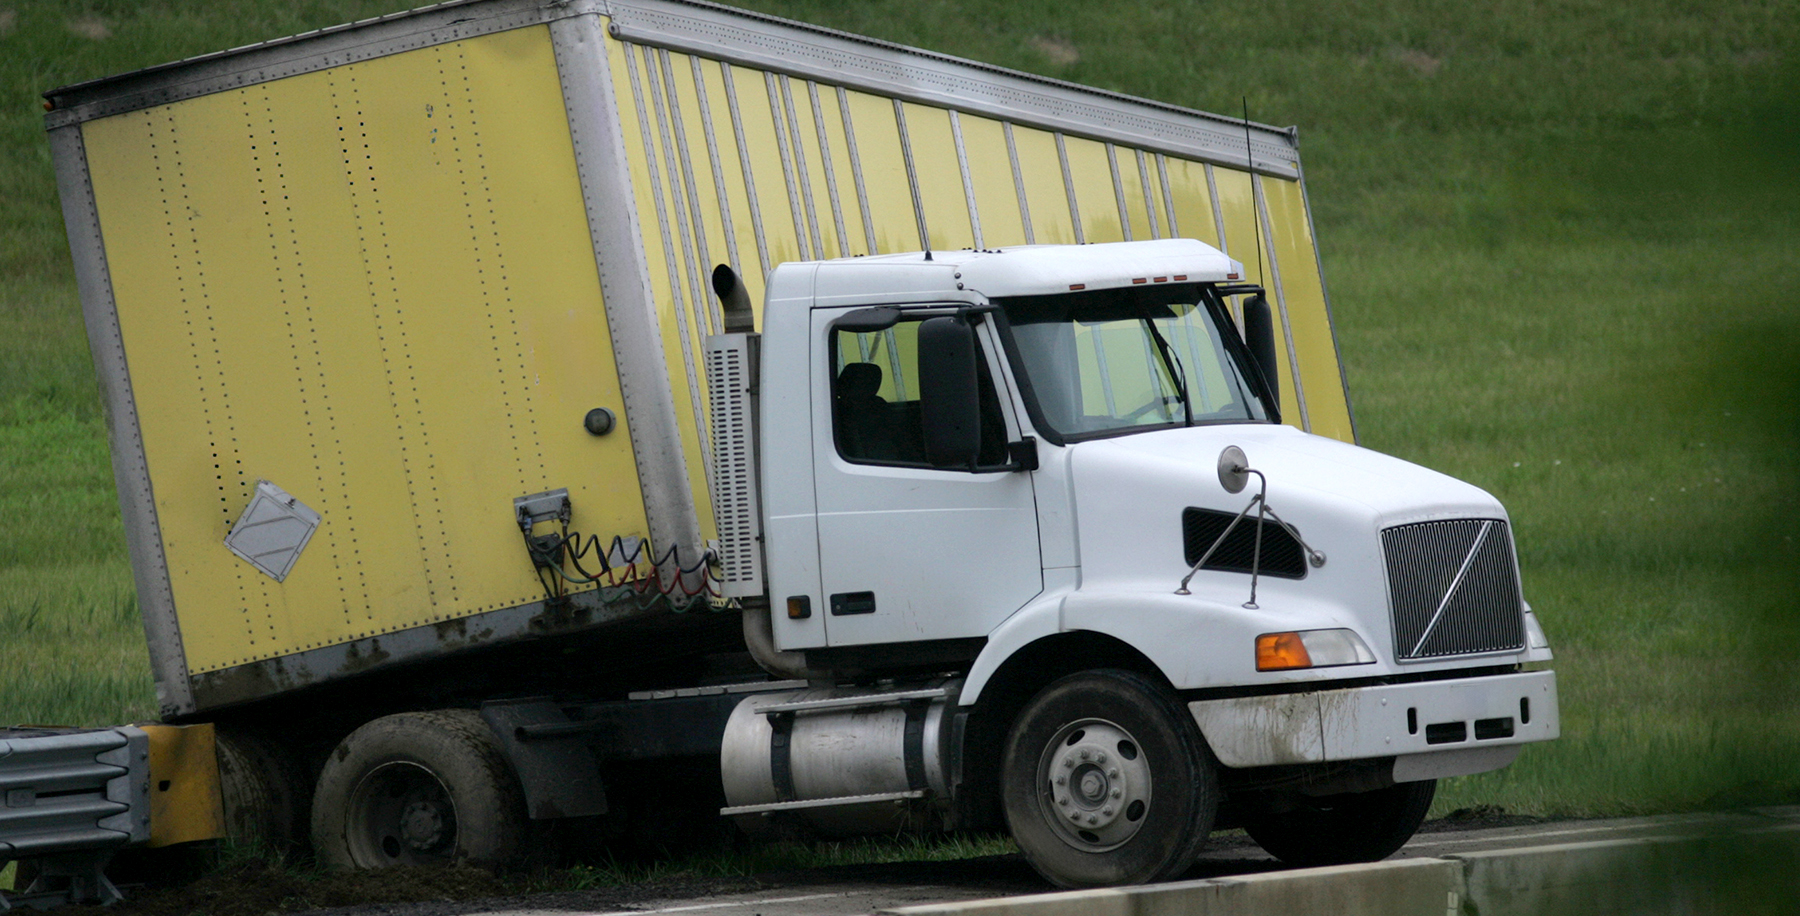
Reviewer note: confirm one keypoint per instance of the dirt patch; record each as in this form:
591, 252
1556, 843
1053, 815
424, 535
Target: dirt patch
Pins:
256, 888
1061, 51
91, 27
1418, 61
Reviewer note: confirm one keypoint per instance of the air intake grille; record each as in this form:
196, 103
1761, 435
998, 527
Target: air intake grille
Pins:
1281, 554
1453, 588
729, 374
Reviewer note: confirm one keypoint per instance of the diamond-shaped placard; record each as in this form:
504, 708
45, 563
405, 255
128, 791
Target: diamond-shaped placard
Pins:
272, 531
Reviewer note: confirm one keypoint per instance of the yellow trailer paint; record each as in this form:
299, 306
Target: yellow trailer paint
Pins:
374, 283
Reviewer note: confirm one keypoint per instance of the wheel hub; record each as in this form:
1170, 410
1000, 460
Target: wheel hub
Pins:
1097, 784
422, 825
400, 814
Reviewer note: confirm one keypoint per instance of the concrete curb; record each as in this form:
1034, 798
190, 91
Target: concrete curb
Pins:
1738, 871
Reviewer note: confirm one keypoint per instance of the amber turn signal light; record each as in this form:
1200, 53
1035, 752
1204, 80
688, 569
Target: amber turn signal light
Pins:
1281, 651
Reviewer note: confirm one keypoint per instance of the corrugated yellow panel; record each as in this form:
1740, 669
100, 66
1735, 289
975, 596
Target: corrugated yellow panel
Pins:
1131, 186
655, 172
804, 141
693, 204
990, 170
781, 227
1040, 169
731, 169
1091, 174
1191, 200
1241, 233
371, 285
1291, 240
939, 177
884, 173
1239, 212
856, 232
706, 222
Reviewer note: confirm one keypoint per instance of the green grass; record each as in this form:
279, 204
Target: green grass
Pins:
1559, 240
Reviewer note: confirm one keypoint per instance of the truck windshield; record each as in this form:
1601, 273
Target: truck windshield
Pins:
1114, 361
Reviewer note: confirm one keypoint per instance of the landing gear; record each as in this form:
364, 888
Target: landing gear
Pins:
1337, 829
1107, 781
422, 788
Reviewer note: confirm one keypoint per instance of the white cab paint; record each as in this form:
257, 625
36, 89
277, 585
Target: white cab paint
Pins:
1092, 541
948, 554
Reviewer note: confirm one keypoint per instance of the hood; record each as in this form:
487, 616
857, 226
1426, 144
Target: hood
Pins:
1300, 466
1131, 492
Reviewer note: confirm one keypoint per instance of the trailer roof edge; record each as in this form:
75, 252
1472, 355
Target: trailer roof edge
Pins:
712, 30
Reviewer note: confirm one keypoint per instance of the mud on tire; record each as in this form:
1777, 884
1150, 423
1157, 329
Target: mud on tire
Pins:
419, 788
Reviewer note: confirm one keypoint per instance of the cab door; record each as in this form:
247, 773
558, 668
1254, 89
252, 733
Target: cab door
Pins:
909, 551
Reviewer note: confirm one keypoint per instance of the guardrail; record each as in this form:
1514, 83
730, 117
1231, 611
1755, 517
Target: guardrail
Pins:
68, 799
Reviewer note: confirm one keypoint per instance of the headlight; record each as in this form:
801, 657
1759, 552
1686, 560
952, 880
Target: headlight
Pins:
1311, 649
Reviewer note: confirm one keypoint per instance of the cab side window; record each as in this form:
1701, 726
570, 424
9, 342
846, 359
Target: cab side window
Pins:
875, 407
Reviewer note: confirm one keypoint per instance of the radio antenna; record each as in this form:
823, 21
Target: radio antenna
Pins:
1255, 204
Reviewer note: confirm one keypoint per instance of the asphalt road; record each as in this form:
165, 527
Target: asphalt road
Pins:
866, 889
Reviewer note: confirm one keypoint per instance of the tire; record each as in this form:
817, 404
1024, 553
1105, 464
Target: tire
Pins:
1106, 781
419, 788
263, 791
1337, 829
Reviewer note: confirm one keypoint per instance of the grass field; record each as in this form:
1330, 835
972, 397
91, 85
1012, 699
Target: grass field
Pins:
1560, 240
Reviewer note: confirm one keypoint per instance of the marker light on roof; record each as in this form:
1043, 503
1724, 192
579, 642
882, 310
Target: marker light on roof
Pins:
1140, 280
1159, 279
1078, 286
1231, 276
1180, 277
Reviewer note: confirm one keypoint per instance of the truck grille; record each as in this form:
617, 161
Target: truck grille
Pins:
1453, 588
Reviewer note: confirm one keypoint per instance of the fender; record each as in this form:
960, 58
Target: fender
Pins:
1194, 641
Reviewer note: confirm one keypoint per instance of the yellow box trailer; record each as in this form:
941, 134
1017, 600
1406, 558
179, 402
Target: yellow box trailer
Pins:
391, 267
504, 393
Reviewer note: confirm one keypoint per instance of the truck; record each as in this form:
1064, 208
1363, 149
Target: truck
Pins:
604, 417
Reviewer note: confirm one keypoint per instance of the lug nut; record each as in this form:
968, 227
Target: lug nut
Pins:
1116, 792
1112, 773
1075, 816
1067, 763
1064, 801
1100, 758
1092, 820
1085, 755
1062, 780
1107, 811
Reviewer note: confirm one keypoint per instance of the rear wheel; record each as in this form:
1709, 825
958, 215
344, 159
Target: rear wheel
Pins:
1107, 781
1337, 829
263, 792
424, 788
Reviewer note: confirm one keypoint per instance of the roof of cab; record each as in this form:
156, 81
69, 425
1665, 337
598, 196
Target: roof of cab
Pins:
1031, 270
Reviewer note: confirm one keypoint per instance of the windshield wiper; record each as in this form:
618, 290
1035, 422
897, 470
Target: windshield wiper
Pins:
1176, 373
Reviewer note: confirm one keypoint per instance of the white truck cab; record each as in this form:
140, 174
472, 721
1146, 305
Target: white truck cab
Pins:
1056, 476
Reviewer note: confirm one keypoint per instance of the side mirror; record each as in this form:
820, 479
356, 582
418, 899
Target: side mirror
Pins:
1259, 337
949, 407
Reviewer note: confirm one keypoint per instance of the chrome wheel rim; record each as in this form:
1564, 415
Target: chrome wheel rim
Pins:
1094, 785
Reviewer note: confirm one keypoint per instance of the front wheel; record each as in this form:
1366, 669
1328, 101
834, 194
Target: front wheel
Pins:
419, 788
1337, 829
1107, 781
